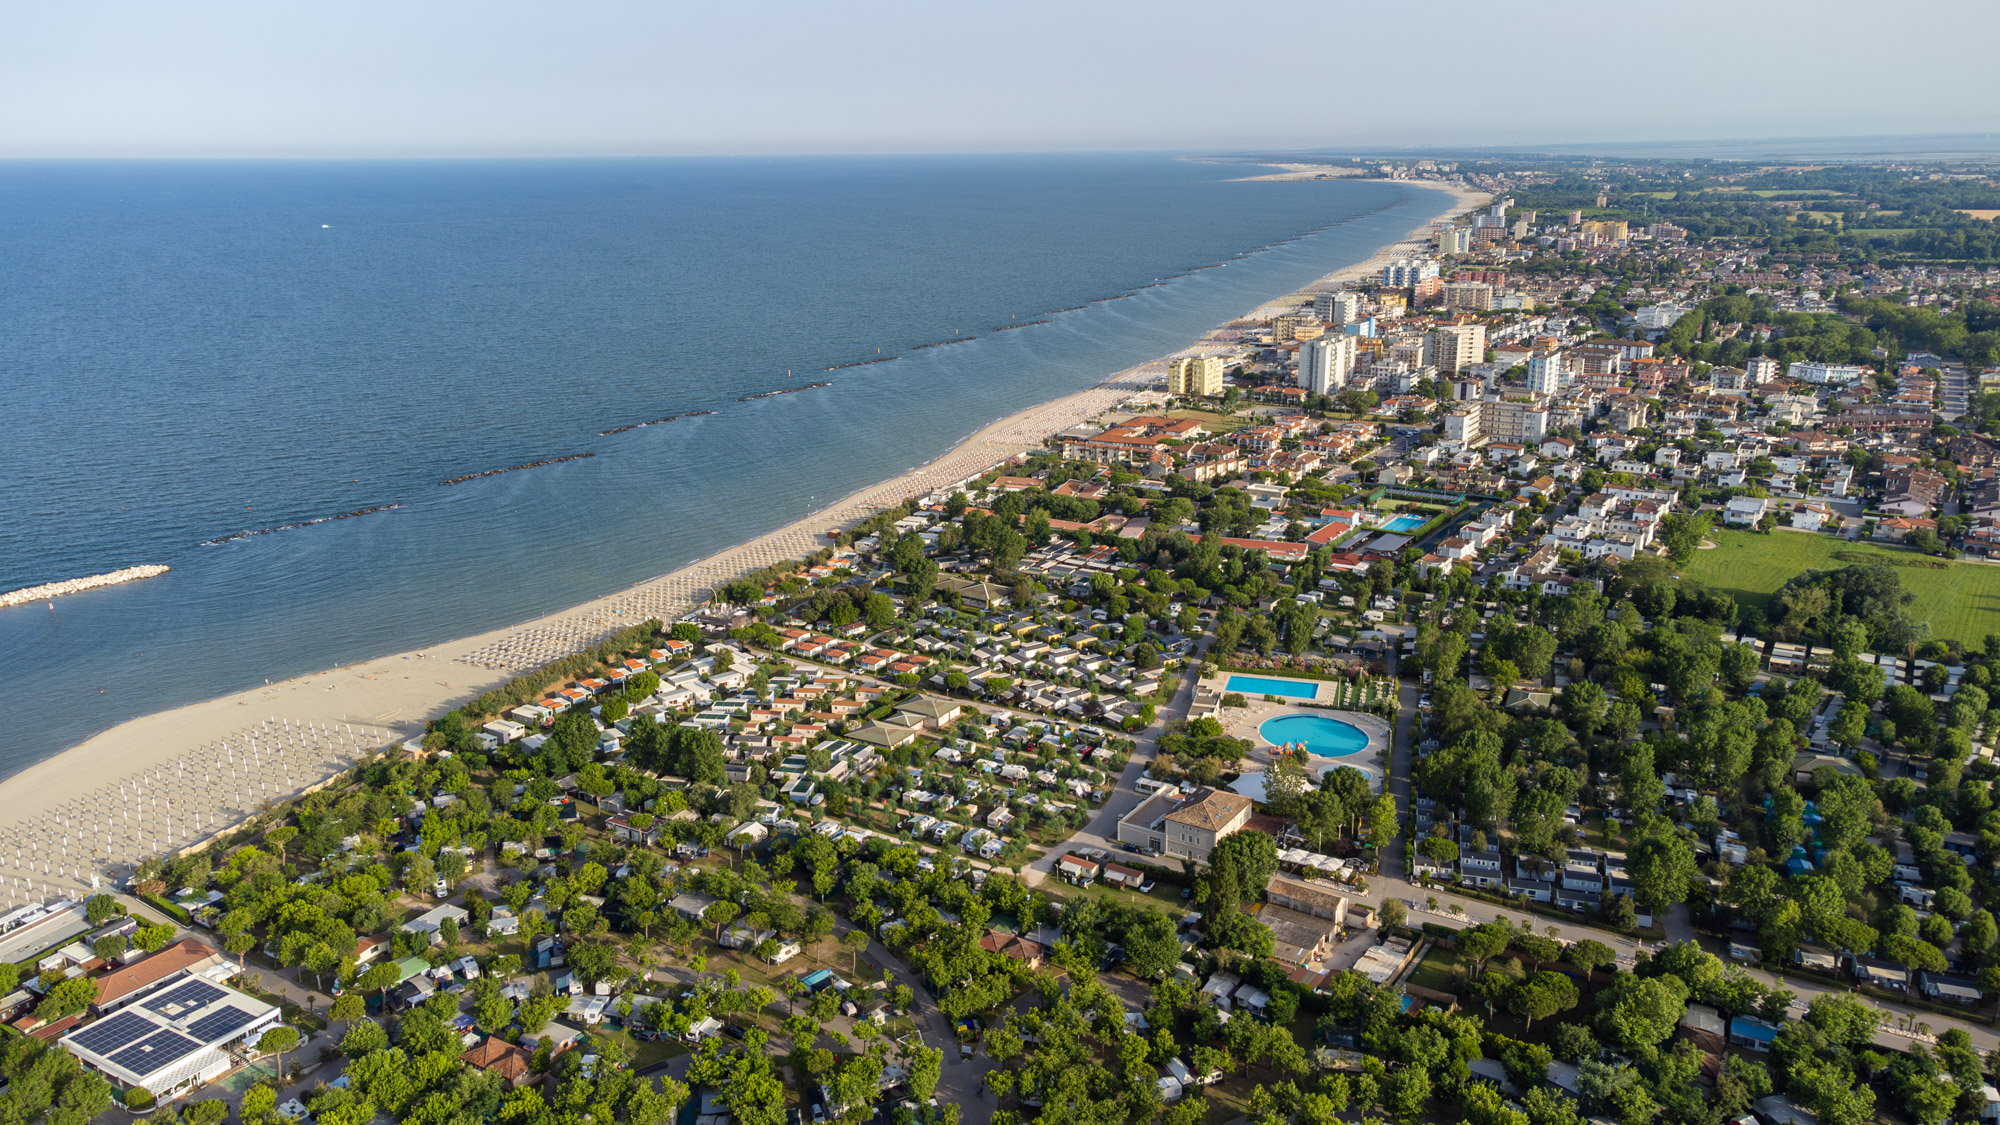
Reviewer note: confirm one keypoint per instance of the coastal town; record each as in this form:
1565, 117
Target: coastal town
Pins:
1542, 677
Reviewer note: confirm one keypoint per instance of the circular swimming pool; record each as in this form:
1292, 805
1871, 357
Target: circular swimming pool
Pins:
1323, 737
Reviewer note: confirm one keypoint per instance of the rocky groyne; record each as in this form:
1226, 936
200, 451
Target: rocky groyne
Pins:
78, 585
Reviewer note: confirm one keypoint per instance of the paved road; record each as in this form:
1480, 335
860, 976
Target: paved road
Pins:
1102, 831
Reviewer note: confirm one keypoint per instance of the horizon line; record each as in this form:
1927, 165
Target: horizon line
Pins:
1182, 151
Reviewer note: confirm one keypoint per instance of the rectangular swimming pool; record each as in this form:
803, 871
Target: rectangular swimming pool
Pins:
1261, 685
1404, 524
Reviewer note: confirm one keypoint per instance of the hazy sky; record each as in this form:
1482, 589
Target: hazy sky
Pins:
559, 77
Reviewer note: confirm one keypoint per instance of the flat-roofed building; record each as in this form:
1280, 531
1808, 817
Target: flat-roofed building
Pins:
1198, 375
1325, 364
172, 1037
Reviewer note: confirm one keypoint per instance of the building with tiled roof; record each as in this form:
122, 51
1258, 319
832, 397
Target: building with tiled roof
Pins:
505, 1059
1185, 826
185, 957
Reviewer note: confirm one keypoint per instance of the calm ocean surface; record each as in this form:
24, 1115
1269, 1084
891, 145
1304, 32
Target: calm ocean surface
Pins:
188, 351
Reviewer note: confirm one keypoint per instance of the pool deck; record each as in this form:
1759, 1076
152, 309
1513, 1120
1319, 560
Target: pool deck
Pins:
1242, 722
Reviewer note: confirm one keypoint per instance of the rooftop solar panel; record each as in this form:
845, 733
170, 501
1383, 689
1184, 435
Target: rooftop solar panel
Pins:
187, 997
219, 1024
158, 1050
108, 1035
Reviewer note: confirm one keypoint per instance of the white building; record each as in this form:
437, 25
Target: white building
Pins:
1325, 364
1404, 273
1548, 372
1743, 511
173, 1038
1659, 317
1338, 308
1826, 372
1497, 420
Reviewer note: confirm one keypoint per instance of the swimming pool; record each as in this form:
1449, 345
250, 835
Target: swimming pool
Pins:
1264, 685
1323, 737
1403, 525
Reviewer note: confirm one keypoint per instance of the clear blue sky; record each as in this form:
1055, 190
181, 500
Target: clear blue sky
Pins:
608, 77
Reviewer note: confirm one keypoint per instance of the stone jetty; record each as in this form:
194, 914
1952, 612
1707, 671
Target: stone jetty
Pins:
77, 585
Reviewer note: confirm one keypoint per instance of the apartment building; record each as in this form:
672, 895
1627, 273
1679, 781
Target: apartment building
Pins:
1506, 420
1454, 346
1325, 364
1408, 273
1193, 376
1338, 308
1474, 296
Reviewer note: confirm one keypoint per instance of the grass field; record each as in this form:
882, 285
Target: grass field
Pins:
1436, 970
1961, 601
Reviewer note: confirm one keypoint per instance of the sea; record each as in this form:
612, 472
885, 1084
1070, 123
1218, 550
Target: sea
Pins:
203, 361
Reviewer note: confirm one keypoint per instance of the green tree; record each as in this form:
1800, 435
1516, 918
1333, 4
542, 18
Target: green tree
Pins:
1152, 945
1638, 1012
1543, 995
1662, 868
276, 1042
67, 998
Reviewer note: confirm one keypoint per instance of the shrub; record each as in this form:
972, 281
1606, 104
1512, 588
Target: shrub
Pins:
138, 1099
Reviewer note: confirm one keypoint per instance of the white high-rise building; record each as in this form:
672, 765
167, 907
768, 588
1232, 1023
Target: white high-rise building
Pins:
1404, 273
1761, 369
1338, 308
1325, 364
1548, 372
1454, 240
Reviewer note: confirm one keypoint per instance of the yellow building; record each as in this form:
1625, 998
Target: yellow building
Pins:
1196, 376
1612, 230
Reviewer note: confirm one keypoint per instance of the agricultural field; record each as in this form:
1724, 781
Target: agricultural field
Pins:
1961, 600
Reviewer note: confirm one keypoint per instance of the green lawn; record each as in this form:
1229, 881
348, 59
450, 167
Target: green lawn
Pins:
1436, 970
1961, 601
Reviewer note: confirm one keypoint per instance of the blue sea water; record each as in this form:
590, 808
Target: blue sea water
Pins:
192, 350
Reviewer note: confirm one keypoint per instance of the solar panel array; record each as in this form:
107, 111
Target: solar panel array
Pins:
187, 997
108, 1035
219, 1024
160, 1049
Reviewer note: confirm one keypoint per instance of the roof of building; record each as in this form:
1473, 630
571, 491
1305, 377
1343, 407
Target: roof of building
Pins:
1210, 809
499, 1056
185, 954
1302, 891
1012, 945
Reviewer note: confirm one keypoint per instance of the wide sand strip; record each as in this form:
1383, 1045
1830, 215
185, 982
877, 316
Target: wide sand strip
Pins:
166, 781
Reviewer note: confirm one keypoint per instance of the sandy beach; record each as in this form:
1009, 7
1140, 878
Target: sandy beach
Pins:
170, 780
1307, 172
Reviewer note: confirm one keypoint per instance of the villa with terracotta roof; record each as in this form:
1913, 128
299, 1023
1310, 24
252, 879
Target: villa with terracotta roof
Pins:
505, 1059
1185, 826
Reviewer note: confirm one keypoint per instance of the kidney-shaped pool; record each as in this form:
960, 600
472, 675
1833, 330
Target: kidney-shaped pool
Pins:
1323, 737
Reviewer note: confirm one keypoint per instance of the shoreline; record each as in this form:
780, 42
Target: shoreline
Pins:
174, 779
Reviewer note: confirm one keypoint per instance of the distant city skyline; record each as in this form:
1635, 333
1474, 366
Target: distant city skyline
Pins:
228, 78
